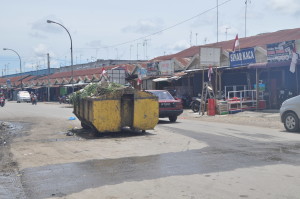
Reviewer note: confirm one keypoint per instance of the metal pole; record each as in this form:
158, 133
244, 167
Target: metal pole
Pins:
245, 18
49, 21
137, 51
20, 64
48, 58
246, 6
217, 21
201, 107
257, 89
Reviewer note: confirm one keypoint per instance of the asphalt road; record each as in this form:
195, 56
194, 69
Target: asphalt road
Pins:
186, 159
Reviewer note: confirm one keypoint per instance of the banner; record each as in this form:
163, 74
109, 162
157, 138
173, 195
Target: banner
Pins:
166, 67
210, 57
152, 69
282, 51
242, 58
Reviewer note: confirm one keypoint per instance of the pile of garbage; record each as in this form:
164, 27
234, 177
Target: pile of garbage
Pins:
96, 90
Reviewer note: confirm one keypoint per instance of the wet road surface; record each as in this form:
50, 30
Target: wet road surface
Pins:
230, 147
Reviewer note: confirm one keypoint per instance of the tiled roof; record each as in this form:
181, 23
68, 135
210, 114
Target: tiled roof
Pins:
257, 40
183, 61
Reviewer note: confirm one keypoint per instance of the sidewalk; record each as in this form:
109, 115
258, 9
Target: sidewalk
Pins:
265, 118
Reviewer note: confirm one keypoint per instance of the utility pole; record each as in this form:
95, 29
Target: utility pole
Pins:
130, 51
145, 44
246, 5
48, 58
226, 31
191, 35
217, 21
7, 69
117, 53
137, 51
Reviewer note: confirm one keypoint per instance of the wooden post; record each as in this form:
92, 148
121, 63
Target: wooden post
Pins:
189, 84
257, 89
202, 107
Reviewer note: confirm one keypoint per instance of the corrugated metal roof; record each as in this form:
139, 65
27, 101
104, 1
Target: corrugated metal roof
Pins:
257, 40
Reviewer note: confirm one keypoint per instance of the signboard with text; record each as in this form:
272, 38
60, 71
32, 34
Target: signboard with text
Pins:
152, 69
281, 51
166, 67
210, 57
242, 57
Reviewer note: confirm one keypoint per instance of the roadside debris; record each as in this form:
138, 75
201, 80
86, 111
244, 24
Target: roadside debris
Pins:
72, 118
70, 133
5, 125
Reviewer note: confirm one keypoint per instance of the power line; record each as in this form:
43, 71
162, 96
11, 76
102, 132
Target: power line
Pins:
168, 28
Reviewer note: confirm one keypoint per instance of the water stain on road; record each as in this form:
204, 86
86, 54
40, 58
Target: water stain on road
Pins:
64, 179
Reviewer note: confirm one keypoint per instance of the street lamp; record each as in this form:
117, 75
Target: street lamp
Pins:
20, 64
49, 21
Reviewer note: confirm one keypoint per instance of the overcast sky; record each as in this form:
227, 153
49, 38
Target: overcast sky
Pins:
115, 29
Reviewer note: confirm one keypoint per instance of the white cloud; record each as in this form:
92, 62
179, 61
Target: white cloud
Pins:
42, 25
145, 26
95, 44
179, 45
40, 50
37, 35
291, 7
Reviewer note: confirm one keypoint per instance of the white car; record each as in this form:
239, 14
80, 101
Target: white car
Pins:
23, 96
290, 113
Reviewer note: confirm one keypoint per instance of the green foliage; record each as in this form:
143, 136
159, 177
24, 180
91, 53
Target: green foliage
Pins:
94, 90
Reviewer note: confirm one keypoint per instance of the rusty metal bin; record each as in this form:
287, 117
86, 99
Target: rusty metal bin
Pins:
132, 108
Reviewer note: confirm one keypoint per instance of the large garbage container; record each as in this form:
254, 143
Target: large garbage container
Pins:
111, 112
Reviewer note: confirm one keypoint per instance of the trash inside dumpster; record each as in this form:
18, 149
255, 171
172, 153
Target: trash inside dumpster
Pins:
109, 107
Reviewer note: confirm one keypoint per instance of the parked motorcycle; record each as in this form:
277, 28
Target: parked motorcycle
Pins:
195, 104
34, 100
64, 99
186, 101
2, 101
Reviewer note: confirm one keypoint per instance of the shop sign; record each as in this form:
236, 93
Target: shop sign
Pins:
210, 57
242, 57
166, 67
8, 83
142, 72
281, 51
152, 69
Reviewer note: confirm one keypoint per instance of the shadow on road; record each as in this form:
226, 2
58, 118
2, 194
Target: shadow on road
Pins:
167, 122
93, 134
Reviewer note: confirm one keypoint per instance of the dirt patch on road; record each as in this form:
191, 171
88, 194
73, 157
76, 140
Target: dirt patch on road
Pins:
247, 118
7, 132
9, 173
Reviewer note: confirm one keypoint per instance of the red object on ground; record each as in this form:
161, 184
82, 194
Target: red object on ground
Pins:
211, 111
262, 104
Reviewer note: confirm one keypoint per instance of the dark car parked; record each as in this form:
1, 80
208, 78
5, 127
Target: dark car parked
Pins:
168, 105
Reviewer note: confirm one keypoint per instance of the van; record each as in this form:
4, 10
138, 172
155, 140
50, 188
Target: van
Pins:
23, 96
290, 113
